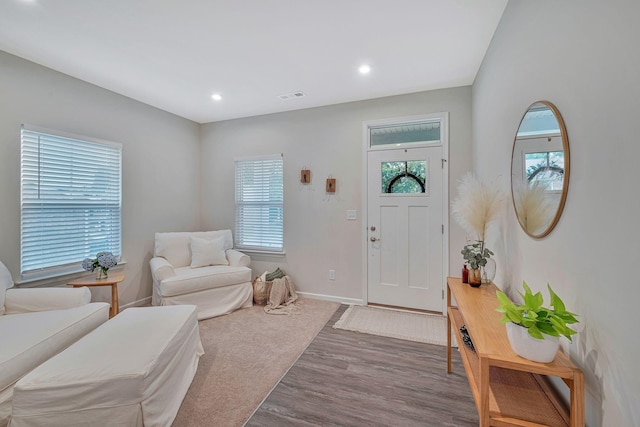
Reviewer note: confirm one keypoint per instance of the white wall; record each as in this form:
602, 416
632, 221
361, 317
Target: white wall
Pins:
583, 56
160, 157
328, 140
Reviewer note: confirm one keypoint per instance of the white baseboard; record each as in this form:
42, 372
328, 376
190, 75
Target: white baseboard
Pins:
139, 303
342, 300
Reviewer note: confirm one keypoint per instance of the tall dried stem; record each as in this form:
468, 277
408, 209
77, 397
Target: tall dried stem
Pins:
533, 207
477, 206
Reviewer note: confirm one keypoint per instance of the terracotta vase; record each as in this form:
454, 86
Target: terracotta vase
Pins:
475, 277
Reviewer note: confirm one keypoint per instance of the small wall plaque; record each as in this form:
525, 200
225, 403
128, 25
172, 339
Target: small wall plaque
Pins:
305, 176
331, 185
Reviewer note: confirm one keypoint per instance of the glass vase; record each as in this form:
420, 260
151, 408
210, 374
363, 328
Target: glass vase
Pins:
102, 273
489, 271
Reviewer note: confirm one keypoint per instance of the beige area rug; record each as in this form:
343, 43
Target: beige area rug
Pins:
246, 353
404, 325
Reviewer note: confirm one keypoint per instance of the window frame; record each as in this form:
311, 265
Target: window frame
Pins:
238, 233
111, 205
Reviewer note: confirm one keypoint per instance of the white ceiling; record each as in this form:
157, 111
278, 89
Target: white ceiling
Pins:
173, 54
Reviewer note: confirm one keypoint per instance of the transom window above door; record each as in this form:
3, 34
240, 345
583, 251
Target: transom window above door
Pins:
405, 134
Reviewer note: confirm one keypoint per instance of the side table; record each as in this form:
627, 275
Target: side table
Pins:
112, 280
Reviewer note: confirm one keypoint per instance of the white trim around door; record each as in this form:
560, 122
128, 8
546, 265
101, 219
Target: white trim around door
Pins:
443, 119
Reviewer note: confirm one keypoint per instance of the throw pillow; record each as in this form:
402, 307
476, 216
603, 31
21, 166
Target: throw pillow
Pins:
206, 252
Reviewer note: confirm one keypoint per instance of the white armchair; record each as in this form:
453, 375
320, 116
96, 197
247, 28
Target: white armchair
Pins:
36, 324
202, 269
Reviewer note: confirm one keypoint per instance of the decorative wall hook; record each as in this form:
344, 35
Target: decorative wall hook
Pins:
305, 176
331, 185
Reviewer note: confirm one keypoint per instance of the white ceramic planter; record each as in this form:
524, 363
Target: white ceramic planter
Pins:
543, 351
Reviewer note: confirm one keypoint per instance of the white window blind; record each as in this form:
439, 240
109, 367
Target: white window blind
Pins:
70, 200
259, 204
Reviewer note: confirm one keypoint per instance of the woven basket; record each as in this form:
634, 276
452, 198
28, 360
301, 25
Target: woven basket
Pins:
261, 291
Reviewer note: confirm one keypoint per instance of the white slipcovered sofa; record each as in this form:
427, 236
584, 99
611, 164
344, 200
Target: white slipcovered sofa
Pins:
202, 269
35, 325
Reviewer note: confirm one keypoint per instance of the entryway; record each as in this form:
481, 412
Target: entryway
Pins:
405, 212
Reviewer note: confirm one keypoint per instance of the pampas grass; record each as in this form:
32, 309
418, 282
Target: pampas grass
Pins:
532, 205
477, 206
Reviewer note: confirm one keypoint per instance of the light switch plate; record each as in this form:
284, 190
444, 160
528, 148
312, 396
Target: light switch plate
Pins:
351, 215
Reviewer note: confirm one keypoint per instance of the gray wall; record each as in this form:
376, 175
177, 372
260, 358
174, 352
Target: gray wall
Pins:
583, 56
160, 156
328, 140
163, 155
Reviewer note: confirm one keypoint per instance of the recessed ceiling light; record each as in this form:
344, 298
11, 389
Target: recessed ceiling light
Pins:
364, 69
216, 97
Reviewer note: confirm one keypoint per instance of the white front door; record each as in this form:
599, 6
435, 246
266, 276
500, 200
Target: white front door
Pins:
405, 228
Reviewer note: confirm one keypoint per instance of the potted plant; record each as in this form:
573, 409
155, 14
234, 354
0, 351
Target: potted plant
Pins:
534, 330
476, 256
477, 209
102, 262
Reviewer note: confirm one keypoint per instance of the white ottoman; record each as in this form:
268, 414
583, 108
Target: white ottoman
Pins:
133, 370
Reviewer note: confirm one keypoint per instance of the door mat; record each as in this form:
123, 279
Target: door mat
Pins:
419, 327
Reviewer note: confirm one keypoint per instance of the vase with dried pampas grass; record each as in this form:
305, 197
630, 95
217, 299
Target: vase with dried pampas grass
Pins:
477, 209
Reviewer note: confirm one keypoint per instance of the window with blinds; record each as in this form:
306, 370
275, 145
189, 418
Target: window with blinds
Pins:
259, 204
70, 200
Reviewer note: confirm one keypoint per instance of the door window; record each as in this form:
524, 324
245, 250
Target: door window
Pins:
404, 177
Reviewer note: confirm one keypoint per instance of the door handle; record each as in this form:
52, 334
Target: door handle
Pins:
374, 239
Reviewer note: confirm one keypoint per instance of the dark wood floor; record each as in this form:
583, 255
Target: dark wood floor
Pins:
350, 379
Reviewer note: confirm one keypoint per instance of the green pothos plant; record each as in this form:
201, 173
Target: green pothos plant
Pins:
536, 318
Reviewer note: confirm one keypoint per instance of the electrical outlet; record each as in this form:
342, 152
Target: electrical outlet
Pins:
332, 275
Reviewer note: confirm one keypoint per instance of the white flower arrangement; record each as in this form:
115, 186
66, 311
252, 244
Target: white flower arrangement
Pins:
476, 209
103, 260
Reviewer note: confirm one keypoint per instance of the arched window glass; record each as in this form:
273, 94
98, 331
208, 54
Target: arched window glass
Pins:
404, 177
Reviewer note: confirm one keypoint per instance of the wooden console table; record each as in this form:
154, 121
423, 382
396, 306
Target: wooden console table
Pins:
508, 390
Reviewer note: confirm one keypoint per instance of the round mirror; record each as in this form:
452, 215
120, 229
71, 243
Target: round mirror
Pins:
540, 169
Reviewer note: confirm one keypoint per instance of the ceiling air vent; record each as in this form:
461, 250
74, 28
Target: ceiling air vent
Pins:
288, 96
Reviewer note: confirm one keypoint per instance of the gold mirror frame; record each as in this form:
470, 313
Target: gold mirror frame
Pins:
518, 183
